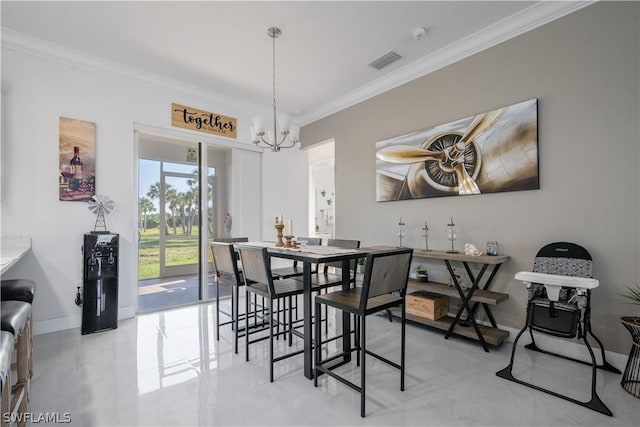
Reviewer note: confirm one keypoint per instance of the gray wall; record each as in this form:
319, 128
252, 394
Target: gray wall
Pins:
584, 70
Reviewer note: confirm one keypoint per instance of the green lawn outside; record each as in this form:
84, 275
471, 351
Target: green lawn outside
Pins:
180, 250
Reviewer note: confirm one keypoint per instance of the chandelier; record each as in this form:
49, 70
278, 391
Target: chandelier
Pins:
282, 127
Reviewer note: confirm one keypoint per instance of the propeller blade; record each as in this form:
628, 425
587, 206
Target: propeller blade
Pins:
481, 124
466, 184
406, 154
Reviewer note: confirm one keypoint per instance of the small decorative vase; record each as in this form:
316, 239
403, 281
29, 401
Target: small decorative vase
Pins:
422, 277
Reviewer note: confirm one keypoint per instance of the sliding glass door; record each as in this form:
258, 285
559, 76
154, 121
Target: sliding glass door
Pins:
173, 235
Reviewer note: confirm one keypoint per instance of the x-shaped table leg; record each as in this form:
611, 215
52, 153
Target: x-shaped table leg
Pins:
465, 299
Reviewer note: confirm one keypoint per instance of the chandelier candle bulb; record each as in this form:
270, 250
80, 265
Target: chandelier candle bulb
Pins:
258, 124
284, 120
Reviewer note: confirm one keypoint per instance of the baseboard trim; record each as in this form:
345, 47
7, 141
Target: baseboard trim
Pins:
71, 322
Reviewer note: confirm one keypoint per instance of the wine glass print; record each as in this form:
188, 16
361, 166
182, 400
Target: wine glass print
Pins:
67, 172
76, 158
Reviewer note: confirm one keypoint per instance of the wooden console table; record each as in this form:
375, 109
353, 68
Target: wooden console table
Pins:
477, 294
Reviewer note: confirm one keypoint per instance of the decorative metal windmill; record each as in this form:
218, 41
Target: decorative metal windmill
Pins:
101, 205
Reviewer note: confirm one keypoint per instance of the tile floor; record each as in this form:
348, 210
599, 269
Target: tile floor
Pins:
166, 368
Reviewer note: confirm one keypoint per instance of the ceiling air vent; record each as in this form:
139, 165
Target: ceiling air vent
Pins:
385, 60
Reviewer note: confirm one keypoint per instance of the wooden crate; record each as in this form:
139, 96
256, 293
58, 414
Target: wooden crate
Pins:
427, 305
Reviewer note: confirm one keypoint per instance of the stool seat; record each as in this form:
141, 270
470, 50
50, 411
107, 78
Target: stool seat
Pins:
6, 350
17, 290
14, 316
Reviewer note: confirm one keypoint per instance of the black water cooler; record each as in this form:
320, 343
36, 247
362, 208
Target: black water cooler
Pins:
100, 287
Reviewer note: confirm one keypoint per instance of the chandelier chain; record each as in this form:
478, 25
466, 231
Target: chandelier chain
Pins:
274, 34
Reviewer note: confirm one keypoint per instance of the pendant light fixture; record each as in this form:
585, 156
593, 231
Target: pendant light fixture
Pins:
283, 134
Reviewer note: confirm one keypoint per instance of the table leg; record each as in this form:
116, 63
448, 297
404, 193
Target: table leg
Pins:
486, 287
346, 317
308, 320
464, 299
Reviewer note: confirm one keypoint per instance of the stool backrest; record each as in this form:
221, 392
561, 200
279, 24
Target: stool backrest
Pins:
387, 271
317, 241
256, 265
224, 261
342, 243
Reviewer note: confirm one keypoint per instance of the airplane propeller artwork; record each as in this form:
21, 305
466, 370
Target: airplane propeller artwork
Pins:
450, 159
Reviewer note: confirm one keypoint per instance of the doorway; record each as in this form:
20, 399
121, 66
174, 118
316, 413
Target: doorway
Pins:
174, 263
322, 194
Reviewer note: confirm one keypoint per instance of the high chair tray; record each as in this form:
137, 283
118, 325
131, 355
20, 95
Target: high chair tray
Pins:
557, 280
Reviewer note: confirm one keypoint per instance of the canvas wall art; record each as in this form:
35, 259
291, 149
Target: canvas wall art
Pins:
77, 160
491, 152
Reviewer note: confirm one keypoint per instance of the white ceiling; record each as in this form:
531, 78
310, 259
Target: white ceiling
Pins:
223, 47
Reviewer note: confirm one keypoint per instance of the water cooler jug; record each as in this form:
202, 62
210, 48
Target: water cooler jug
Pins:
100, 286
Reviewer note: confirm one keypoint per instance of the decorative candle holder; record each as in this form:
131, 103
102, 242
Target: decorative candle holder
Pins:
401, 231
288, 243
426, 237
451, 235
279, 227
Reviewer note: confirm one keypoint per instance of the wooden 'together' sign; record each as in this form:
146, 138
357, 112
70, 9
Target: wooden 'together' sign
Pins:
203, 121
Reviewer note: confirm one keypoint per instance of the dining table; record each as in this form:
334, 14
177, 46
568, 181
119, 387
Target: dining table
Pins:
312, 254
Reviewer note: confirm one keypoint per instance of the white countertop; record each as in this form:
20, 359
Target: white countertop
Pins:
12, 249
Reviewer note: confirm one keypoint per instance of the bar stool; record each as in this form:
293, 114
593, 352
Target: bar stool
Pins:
15, 318
259, 281
6, 349
12, 403
384, 286
17, 290
20, 290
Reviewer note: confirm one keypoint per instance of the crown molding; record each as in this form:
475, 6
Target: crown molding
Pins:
45, 49
526, 20
519, 23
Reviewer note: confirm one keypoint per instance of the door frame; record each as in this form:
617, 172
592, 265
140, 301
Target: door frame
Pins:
202, 141
177, 270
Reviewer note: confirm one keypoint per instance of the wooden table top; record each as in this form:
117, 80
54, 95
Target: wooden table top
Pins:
481, 259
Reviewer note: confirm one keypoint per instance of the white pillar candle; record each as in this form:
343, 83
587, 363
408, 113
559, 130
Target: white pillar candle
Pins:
290, 227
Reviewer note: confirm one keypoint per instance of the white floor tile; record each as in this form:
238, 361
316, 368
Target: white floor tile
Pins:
168, 368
